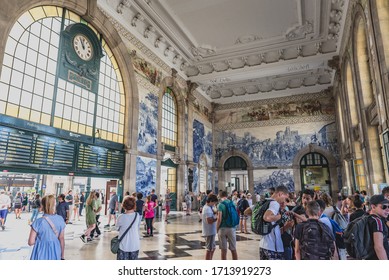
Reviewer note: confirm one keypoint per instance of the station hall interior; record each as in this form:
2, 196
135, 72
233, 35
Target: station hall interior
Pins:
135, 95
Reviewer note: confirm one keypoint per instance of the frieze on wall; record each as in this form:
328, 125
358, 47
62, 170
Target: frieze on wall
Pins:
289, 121
293, 98
147, 70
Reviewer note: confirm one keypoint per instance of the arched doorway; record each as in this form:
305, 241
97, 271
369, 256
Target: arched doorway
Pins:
235, 167
317, 154
235, 171
315, 173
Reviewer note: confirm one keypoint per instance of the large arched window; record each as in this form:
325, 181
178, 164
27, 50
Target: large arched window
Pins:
169, 119
30, 89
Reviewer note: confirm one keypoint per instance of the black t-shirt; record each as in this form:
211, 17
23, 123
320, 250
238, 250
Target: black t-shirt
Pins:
62, 207
139, 206
378, 224
69, 197
358, 213
154, 197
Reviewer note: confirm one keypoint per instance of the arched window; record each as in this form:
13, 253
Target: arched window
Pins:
31, 90
169, 119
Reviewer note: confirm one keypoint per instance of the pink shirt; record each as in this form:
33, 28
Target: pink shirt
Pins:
149, 212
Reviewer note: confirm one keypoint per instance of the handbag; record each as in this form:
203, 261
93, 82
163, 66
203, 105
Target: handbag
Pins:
115, 242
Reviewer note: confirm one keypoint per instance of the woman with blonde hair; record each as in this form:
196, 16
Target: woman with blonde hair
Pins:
90, 217
47, 233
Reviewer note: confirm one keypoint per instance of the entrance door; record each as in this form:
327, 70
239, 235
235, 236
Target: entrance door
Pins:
111, 185
315, 173
236, 176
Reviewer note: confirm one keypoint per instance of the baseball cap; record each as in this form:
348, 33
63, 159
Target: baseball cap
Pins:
378, 199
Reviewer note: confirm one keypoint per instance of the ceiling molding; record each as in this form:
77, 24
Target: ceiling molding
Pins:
169, 33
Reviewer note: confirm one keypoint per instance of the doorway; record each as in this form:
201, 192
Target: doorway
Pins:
315, 172
169, 181
236, 175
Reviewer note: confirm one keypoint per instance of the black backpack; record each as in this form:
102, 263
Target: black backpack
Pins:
317, 242
242, 205
358, 239
258, 224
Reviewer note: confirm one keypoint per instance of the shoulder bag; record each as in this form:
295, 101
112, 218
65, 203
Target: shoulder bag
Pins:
51, 225
115, 242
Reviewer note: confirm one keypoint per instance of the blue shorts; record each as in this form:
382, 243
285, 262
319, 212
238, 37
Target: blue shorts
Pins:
3, 213
112, 211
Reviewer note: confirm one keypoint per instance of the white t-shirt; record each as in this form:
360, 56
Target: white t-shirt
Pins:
5, 201
208, 229
273, 241
130, 242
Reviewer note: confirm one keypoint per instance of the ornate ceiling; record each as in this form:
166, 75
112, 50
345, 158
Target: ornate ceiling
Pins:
240, 50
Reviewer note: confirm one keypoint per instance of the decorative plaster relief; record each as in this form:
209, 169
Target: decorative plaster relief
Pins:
247, 39
148, 71
299, 32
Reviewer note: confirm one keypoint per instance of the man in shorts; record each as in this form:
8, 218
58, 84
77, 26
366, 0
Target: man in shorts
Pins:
209, 219
5, 203
225, 232
113, 208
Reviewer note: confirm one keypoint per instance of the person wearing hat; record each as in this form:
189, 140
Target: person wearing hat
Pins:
5, 203
377, 225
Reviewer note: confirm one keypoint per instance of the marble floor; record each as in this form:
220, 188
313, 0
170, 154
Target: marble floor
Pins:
180, 239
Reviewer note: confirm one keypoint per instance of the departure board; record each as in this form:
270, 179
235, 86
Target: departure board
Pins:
28, 150
31, 150
100, 160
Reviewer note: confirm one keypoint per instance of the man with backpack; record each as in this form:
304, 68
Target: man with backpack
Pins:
378, 230
313, 239
227, 221
270, 245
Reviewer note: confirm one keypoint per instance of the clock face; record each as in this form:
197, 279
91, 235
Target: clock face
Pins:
83, 47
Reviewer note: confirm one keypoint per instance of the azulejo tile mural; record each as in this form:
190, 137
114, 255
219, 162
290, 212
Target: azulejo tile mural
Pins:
276, 145
264, 179
146, 170
148, 123
202, 142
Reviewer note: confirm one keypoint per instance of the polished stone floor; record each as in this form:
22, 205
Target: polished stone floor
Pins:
179, 240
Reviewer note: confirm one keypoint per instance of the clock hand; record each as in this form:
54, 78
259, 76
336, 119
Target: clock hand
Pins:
82, 43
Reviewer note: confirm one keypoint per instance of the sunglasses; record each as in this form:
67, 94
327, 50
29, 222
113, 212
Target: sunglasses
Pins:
384, 206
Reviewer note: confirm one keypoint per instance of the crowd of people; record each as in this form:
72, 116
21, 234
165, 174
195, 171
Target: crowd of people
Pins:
304, 226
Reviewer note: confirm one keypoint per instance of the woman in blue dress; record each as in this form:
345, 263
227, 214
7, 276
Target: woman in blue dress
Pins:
47, 233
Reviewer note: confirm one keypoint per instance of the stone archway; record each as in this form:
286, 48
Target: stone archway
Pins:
221, 172
312, 148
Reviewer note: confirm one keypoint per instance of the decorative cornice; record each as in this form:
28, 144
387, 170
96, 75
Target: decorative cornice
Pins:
287, 121
142, 48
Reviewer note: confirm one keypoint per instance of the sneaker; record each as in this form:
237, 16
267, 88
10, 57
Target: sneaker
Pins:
106, 226
3, 227
88, 240
113, 225
97, 236
83, 238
